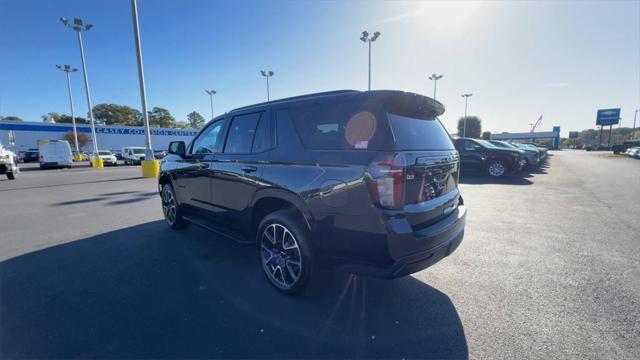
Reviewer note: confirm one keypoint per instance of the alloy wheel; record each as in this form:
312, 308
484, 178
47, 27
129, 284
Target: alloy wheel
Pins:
496, 169
169, 206
281, 256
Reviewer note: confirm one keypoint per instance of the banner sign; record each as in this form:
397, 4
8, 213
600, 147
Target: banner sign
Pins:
608, 117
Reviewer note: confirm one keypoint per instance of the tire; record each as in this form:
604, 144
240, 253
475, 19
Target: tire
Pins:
497, 168
11, 176
170, 208
290, 267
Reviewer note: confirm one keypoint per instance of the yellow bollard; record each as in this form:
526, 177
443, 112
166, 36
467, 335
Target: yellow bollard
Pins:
97, 163
77, 157
150, 168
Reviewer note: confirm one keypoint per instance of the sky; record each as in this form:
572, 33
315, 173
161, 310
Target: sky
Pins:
560, 59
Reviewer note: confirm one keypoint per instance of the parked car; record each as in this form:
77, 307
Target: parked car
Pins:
531, 157
543, 149
617, 149
483, 157
633, 152
108, 159
31, 155
365, 182
159, 154
83, 155
8, 163
117, 154
133, 155
55, 154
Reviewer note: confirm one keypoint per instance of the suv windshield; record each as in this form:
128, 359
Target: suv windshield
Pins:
138, 151
486, 144
104, 153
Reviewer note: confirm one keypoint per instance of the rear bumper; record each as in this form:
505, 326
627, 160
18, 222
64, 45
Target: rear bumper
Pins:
414, 251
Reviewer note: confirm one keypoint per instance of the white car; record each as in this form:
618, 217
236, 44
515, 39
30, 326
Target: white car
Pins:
55, 154
133, 155
108, 158
633, 152
8, 163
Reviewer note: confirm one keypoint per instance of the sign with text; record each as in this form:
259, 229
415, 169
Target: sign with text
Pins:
573, 134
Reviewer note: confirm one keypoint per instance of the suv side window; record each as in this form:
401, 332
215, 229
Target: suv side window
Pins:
470, 145
241, 133
207, 141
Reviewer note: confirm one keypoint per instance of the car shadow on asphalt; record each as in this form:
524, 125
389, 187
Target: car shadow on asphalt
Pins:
475, 179
148, 292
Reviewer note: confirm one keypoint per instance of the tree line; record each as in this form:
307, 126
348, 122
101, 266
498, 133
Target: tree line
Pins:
115, 114
592, 136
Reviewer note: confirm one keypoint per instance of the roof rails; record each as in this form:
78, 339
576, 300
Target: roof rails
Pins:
300, 97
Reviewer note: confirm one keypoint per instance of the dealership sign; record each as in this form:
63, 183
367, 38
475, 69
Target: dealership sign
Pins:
608, 117
573, 134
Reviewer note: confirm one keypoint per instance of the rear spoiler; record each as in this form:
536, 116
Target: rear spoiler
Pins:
408, 103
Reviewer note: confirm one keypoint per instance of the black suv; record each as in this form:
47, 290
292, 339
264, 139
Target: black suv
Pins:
365, 182
484, 157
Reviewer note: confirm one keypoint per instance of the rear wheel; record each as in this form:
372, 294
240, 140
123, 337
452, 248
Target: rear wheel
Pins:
497, 168
11, 176
285, 252
171, 209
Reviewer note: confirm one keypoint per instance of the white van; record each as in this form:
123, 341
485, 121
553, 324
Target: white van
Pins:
55, 154
133, 155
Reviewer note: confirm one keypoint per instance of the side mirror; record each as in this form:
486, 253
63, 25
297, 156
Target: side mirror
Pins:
177, 148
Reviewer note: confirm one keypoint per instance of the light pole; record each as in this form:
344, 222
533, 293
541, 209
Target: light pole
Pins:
635, 114
79, 26
366, 39
211, 93
68, 69
267, 74
464, 125
435, 79
150, 166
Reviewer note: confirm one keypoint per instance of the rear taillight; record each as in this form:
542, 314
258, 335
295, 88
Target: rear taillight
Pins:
386, 182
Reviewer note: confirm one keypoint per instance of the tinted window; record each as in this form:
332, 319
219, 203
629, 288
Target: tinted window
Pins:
241, 133
207, 141
417, 134
261, 139
470, 145
339, 126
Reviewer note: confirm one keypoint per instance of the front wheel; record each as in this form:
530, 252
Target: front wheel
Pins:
285, 251
171, 209
497, 168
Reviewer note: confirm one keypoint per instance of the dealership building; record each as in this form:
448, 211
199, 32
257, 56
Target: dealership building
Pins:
27, 134
553, 135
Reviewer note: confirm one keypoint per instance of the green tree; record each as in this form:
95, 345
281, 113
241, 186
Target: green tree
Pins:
486, 135
66, 119
110, 114
474, 127
182, 125
11, 118
161, 117
52, 115
196, 121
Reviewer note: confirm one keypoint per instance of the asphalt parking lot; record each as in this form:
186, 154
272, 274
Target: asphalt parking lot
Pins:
549, 268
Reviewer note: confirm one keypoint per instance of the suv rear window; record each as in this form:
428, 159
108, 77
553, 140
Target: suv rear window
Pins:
418, 134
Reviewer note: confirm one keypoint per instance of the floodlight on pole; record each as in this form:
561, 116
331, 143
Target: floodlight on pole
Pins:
211, 93
366, 39
67, 70
464, 126
435, 79
79, 26
267, 74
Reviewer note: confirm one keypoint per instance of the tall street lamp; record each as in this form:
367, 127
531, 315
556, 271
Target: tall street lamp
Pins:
366, 39
68, 69
211, 93
150, 166
267, 74
464, 126
635, 114
79, 26
435, 79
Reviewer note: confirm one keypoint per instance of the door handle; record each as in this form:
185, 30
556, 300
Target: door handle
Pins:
249, 169
203, 165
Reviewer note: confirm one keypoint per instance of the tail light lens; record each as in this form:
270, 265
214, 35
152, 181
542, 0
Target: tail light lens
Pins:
386, 182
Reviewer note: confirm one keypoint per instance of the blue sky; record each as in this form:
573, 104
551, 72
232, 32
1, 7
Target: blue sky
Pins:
519, 59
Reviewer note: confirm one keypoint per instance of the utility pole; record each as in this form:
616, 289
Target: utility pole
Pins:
211, 93
366, 39
79, 26
464, 126
267, 74
68, 69
635, 114
435, 79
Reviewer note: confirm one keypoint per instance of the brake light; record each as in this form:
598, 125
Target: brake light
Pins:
386, 182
